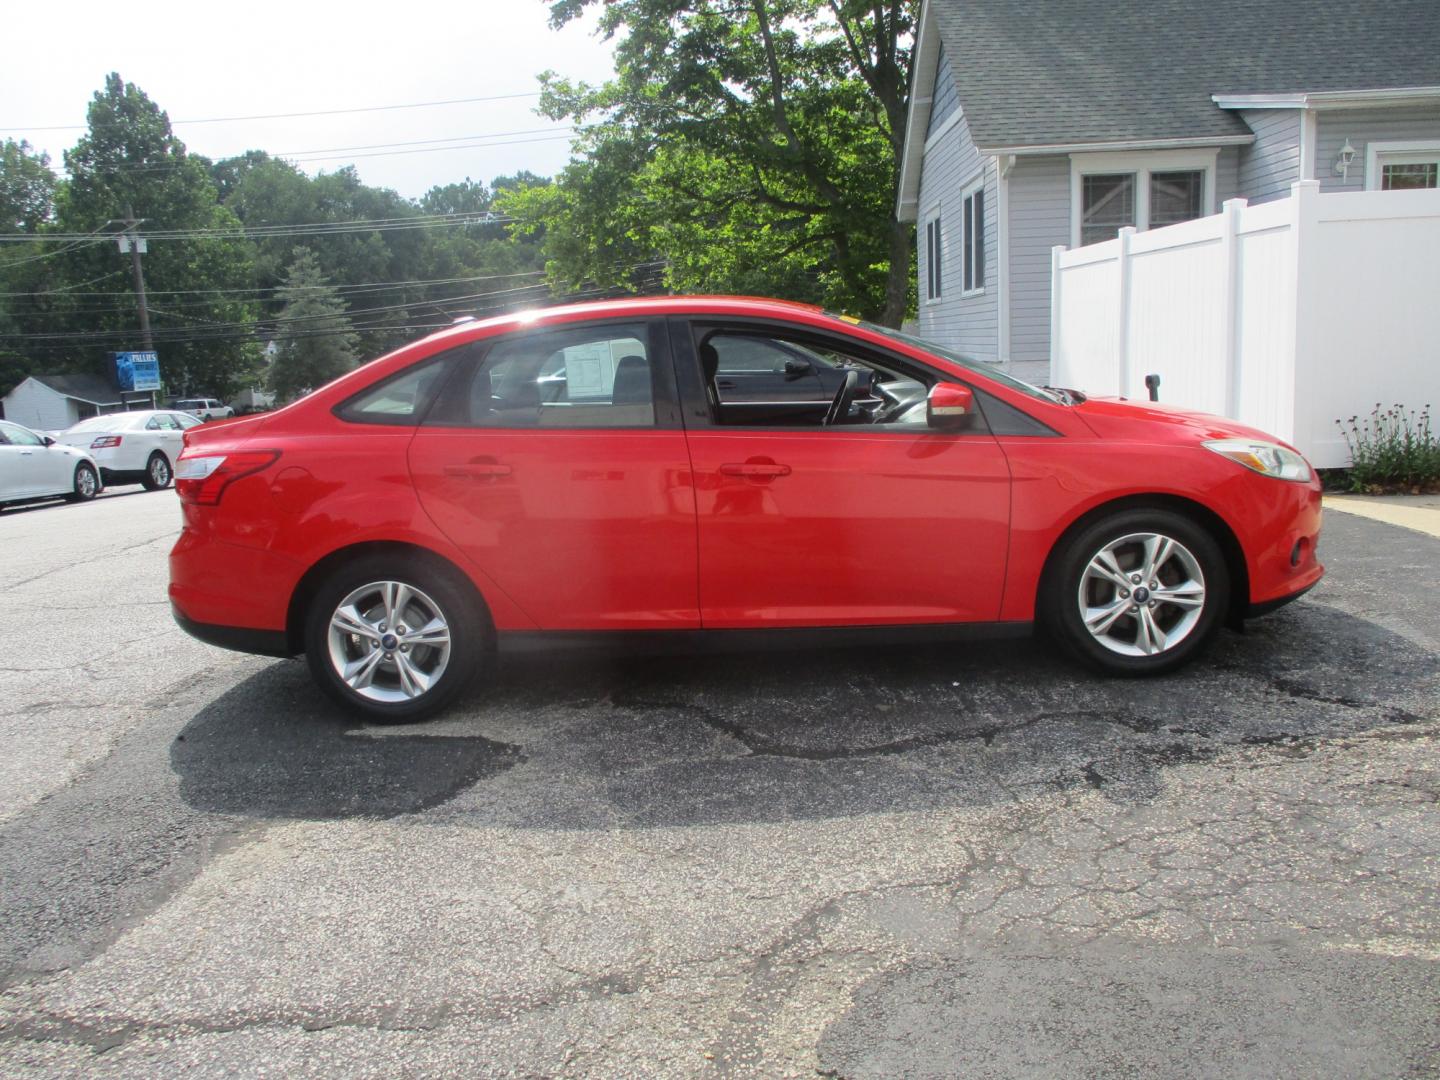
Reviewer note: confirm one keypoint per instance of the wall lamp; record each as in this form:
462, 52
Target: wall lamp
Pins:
1345, 159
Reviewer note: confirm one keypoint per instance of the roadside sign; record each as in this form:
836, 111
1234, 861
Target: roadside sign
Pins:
137, 370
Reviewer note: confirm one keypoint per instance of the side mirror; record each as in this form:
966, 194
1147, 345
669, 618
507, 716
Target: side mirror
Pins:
796, 368
948, 405
47, 440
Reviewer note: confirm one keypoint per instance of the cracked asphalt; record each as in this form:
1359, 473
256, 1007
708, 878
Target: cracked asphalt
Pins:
956, 861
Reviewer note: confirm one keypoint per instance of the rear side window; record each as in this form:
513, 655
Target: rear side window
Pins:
402, 398
587, 377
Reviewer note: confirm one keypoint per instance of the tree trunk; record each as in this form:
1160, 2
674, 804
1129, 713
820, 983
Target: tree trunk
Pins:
897, 281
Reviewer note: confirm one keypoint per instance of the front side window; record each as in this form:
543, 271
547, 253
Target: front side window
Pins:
584, 378
18, 436
756, 379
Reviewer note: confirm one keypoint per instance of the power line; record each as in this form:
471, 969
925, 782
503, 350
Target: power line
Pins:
306, 157
240, 296
288, 116
120, 338
320, 228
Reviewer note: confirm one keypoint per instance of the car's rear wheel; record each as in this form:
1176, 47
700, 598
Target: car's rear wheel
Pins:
87, 483
157, 472
1137, 593
395, 639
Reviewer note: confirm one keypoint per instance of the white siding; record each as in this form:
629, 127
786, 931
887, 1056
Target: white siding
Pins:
35, 405
1270, 164
968, 324
1362, 126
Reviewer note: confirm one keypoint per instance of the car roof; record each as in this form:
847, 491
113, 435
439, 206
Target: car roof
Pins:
632, 306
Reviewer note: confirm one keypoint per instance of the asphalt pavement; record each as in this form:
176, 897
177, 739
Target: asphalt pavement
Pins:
965, 860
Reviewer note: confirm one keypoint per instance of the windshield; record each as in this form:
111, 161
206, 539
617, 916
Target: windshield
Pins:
969, 363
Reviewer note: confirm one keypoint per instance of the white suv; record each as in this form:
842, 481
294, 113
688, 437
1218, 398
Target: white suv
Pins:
204, 408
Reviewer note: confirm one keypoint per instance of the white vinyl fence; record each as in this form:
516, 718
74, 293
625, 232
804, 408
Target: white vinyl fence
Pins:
1286, 316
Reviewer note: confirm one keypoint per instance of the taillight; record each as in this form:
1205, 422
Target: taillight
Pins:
105, 441
203, 479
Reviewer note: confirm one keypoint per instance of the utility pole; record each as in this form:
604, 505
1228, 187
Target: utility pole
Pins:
137, 245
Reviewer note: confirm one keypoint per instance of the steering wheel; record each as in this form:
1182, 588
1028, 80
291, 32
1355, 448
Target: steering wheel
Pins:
844, 398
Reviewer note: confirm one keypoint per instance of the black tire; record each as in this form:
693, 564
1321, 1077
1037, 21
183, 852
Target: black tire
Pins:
158, 473
1062, 603
87, 483
439, 587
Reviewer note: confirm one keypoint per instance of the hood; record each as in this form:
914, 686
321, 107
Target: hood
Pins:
1118, 418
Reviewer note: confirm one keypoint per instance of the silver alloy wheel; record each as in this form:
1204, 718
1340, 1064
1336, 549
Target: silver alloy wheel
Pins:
1142, 595
85, 482
159, 471
388, 641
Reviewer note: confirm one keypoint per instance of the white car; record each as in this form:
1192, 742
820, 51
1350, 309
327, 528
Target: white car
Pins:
134, 446
205, 408
35, 466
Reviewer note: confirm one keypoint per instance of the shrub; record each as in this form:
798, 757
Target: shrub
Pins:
1394, 448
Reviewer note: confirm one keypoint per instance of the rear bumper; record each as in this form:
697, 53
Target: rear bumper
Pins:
238, 638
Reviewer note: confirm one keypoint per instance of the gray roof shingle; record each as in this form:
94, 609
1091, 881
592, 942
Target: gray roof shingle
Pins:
91, 388
1044, 72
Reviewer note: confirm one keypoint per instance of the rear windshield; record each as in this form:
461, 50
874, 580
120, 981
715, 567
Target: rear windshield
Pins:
108, 422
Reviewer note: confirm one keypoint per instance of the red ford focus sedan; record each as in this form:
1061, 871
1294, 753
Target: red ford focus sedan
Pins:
717, 468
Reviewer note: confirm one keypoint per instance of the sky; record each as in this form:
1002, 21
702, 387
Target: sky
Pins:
201, 61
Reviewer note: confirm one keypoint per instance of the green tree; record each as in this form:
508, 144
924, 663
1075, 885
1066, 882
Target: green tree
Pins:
203, 320
753, 146
27, 204
314, 338
27, 188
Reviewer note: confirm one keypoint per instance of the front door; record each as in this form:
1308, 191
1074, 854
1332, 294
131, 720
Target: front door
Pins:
28, 467
555, 460
876, 519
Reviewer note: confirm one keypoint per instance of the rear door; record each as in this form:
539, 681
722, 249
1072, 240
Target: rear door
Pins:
554, 458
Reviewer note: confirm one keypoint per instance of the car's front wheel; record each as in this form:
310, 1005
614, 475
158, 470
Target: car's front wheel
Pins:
394, 639
87, 483
157, 472
1137, 593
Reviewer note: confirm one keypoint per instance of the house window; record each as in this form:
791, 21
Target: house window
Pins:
1108, 204
972, 211
1402, 166
1146, 190
1176, 197
1403, 177
933, 254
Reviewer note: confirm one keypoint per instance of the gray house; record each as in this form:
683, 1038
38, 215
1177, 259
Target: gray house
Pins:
56, 402
1036, 123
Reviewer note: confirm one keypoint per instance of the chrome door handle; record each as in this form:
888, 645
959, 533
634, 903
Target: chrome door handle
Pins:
754, 468
478, 470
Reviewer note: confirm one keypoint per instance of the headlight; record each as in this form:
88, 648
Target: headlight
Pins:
1263, 457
